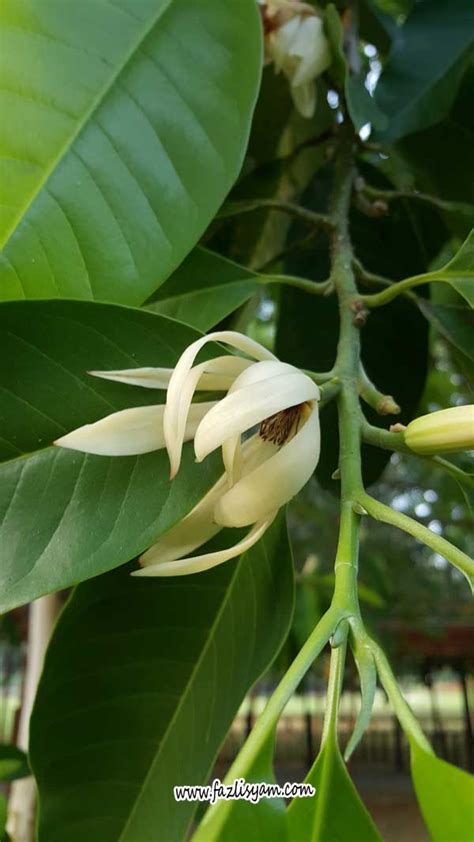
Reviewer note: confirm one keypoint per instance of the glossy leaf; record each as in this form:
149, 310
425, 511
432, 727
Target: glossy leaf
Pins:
13, 763
66, 516
429, 55
459, 272
234, 820
141, 682
335, 810
109, 138
445, 795
456, 324
204, 290
427, 152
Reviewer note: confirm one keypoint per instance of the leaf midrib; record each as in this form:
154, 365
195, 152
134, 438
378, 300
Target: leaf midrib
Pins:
95, 105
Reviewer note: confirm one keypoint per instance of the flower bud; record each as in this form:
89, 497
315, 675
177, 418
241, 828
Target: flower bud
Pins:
296, 43
439, 432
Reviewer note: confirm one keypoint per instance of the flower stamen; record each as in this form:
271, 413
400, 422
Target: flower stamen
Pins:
282, 426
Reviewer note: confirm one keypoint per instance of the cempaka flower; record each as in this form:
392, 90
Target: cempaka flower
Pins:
296, 43
267, 426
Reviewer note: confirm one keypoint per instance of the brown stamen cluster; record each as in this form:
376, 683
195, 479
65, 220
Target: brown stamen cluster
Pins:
283, 425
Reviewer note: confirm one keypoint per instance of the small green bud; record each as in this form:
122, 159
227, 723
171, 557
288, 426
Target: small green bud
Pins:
439, 432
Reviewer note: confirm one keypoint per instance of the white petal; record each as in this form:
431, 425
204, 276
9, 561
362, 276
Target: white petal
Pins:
312, 47
129, 432
275, 482
231, 453
242, 409
182, 383
150, 378
218, 374
304, 97
199, 563
192, 531
199, 525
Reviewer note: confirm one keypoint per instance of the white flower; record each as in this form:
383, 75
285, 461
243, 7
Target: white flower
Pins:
262, 473
298, 46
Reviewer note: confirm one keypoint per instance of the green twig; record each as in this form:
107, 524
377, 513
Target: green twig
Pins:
316, 220
379, 437
403, 711
440, 545
426, 198
311, 287
377, 299
383, 404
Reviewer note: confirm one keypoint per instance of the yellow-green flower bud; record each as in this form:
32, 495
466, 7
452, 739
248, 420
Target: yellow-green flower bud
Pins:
439, 432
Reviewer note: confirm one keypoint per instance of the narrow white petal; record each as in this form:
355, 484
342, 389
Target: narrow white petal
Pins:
198, 564
242, 409
304, 98
276, 481
150, 378
192, 531
218, 374
199, 525
184, 380
232, 459
256, 372
129, 432
259, 371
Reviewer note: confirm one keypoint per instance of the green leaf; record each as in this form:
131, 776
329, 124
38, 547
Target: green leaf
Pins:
460, 271
456, 324
335, 812
141, 682
64, 515
124, 126
204, 290
13, 763
429, 55
253, 822
362, 107
445, 795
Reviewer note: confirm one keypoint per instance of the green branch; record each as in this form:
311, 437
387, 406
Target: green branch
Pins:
403, 711
311, 287
377, 299
440, 545
427, 198
279, 698
383, 404
378, 437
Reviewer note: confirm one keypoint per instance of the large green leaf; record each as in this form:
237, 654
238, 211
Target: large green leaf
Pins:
64, 515
335, 813
429, 56
124, 126
446, 796
204, 290
141, 682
